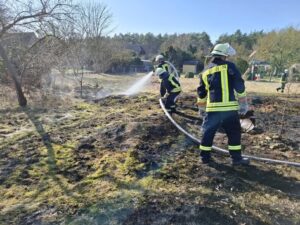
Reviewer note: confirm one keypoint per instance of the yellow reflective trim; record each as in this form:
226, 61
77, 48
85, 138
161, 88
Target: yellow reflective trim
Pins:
234, 147
165, 66
222, 109
215, 69
204, 78
219, 104
177, 87
224, 83
176, 90
243, 94
205, 148
202, 99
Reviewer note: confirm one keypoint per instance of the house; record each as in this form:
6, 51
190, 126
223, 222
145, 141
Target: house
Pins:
294, 72
191, 66
19, 40
147, 65
135, 48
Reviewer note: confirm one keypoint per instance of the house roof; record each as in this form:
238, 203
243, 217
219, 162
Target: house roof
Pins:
19, 39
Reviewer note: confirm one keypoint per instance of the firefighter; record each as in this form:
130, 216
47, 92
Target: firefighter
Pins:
169, 84
220, 84
283, 81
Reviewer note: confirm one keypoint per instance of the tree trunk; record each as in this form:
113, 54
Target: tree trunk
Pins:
14, 75
81, 82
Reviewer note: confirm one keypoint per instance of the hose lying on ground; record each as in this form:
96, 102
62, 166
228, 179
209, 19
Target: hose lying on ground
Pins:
220, 149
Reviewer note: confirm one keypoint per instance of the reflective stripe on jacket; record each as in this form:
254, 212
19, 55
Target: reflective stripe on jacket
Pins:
218, 85
169, 83
164, 65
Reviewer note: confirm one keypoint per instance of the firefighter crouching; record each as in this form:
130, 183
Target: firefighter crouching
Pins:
219, 83
170, 85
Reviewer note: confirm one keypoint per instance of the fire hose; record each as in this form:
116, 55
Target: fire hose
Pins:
275, 161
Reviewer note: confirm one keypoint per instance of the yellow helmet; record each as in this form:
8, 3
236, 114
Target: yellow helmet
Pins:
223, 49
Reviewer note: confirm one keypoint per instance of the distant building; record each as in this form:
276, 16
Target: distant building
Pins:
147, 65
294, 72
191, 66
18, 40
136, 48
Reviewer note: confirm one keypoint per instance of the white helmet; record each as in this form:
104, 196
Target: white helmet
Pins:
286, 70
159, 58
159, 71
223, 49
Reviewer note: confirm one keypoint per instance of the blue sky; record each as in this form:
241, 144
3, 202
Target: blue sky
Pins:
215, 17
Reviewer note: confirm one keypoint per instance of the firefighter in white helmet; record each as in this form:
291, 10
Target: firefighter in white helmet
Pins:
222, 95
169, 85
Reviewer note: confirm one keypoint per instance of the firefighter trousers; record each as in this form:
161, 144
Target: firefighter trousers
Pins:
171, 101
230, 122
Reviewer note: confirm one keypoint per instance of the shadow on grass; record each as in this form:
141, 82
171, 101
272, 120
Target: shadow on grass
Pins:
271, 179
46, 139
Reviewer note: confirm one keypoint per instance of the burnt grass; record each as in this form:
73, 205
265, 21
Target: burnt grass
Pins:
119, 160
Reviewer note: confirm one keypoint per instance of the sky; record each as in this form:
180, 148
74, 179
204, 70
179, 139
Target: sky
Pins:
215, 17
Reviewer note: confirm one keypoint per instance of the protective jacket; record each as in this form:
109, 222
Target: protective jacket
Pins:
164, 65
284, 78
219, 83
169, 84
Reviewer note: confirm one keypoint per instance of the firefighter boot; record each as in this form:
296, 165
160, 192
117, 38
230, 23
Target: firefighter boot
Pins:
237, 159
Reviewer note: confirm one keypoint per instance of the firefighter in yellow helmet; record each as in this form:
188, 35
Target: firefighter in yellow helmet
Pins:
222, 95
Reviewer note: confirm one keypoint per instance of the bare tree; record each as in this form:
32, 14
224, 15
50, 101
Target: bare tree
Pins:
24, 15
94, 20
84, 38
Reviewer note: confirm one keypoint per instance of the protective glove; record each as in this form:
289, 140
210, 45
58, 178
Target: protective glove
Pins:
243, 104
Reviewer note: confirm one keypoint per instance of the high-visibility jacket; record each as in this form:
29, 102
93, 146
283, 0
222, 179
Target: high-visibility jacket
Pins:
164, 65
169, 83
219, 83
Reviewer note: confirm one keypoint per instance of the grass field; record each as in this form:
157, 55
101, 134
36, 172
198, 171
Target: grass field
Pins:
189, 85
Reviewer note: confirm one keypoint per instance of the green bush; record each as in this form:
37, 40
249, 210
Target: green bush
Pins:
189, 75
242, 65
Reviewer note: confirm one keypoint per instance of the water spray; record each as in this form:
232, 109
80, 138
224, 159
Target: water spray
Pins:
138, 86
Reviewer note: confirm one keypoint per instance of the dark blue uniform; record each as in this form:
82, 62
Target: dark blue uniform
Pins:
169, 84
283, 81
219, 83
